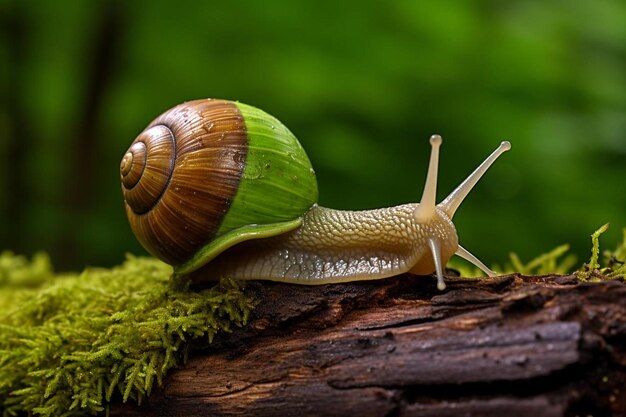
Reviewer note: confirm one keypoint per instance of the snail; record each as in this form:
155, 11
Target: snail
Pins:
224, 188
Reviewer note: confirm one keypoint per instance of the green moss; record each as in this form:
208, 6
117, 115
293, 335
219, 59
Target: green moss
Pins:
559, 261
70, 343
19, 272
614, 266
556, 261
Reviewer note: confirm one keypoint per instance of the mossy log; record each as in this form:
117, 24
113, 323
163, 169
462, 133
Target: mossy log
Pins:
511, 345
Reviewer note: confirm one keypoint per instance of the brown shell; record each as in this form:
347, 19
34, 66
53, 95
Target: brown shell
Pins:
180, 174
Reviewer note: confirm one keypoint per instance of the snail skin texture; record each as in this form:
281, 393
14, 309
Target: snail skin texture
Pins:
219, 188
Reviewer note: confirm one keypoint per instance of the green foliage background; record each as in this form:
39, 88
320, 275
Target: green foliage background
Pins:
362, 84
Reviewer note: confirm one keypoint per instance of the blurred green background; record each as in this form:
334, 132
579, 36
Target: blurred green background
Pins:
362, 84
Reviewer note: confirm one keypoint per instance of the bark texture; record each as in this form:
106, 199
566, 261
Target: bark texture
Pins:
508, 346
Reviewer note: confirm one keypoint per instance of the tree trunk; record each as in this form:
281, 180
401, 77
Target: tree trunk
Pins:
506, 346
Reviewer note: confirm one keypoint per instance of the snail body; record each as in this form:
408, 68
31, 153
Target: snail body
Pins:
218, 188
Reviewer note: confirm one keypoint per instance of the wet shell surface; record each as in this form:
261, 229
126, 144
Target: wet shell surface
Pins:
210, 173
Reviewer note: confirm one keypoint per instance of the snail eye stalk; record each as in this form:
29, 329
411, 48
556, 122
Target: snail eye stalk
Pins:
452, 202
426, 208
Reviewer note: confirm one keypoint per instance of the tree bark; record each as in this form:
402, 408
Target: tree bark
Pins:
506, 346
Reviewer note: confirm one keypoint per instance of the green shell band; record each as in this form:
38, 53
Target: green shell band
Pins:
277, 187
278, 183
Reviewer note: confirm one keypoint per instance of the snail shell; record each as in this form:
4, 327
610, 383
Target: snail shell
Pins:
208, 174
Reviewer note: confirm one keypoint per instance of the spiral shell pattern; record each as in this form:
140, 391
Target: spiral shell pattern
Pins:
180, 175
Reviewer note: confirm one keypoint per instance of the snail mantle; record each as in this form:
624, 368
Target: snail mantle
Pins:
546, 346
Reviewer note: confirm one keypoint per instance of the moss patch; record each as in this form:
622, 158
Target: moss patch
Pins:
70, 343
611, 265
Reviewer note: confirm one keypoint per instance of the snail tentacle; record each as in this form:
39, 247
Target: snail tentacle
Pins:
426, 209
465, 254
436, 253
452, 202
